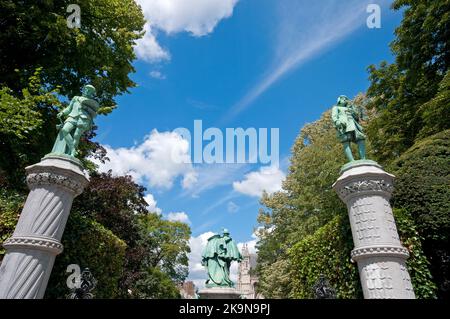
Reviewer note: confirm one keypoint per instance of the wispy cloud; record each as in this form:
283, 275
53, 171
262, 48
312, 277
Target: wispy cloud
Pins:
305, 30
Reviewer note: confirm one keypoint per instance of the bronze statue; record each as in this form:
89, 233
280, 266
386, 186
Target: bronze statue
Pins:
346, 119
79, 116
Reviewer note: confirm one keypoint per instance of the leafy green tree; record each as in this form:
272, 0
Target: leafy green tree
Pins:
167, 245
26, 124
305, 228
89, 245
307, 201
155, 247
116, 202
155, 285
422, 188
399, 91
35, 34
43, 62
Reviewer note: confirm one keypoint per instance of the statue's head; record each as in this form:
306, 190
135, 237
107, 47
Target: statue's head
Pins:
342, 100
225, 232
89, 91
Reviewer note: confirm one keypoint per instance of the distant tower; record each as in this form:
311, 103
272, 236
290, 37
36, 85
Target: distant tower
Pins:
247, 282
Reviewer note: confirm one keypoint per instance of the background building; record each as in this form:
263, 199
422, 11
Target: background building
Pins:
247, 279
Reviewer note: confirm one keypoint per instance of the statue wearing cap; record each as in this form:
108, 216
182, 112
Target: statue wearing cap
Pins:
217, 256
78, 118
346, 119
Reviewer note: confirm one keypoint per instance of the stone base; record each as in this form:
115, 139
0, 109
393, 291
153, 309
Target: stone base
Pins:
219, 293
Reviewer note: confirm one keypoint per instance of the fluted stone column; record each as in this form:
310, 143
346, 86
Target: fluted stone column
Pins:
54, 183
366, 190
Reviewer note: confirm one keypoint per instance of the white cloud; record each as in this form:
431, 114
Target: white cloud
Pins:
197, 17
267, 178
148, 49
157, 75
305, 30
179, 217
157, 161
152, 204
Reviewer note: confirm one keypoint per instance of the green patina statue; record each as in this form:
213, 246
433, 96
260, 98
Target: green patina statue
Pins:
79, 116
346, 119
217, 256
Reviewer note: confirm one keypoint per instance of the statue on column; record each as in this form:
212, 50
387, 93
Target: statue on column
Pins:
76, 119
217, 256
346, 119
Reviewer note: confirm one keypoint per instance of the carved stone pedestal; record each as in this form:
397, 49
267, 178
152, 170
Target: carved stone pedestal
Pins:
219, 293
366, 189
31, 251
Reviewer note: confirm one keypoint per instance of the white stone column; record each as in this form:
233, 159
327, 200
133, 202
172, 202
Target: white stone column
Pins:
54, 183
366, 190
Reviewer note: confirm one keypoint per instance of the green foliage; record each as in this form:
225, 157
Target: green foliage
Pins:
306, 203
24, 132
307, 200
400, 92
167, 245
35, 33
418, 265
155, 247
275, 282
326, 252
423, 189
90, 245
436, 112
155, 284
11, 204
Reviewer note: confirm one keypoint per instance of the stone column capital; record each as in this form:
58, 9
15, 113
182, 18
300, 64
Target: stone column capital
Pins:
364, 179
58, 170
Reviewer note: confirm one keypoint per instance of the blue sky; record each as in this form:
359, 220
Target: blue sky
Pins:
248, 63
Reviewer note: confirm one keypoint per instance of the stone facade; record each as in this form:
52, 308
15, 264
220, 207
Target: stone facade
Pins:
187, 290
247, 280
366, 190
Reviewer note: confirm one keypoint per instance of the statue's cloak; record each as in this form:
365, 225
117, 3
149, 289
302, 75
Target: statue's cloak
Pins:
217, 256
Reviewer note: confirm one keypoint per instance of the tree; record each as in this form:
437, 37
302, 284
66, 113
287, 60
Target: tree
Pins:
43, 62
398, 91
422, 188
307, 200
27, 122
305, 227
167, 245
35, 34
116, 202
156, 248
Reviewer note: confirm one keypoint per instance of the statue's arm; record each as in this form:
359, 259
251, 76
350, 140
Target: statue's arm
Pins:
335, 117
66, 111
